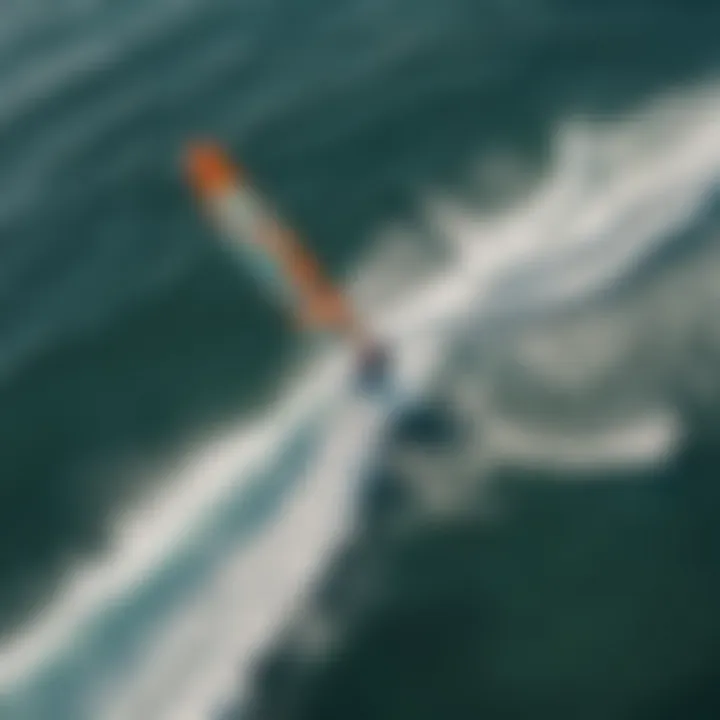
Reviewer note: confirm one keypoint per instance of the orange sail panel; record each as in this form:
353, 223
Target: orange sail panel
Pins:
269, 250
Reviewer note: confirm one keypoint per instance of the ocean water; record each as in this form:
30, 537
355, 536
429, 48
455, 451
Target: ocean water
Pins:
195, 522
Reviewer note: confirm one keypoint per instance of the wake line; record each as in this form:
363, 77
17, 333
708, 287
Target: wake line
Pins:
144, 540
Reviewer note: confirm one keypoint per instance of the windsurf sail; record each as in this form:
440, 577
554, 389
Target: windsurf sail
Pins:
270, 251
274, 255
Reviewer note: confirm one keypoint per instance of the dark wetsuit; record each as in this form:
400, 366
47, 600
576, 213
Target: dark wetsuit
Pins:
373, 368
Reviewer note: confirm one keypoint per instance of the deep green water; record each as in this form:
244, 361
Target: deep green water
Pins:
124, 329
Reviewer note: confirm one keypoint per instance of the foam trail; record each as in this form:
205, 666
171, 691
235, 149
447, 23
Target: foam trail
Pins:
144, 540
634, 443
253, 594
419, 325
563, 246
